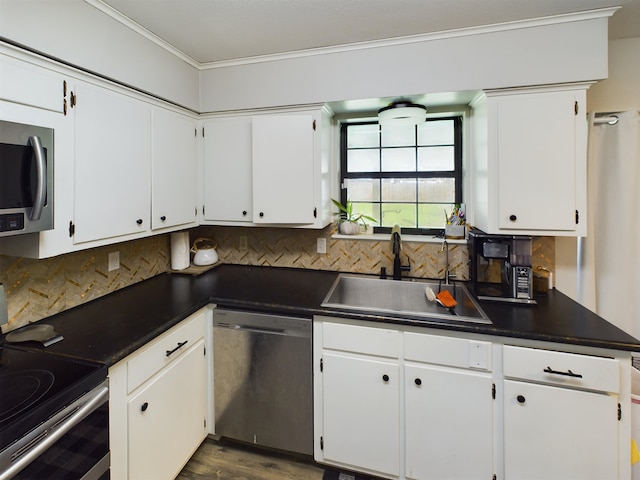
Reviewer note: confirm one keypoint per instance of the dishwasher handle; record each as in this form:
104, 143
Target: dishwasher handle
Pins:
254, 329
237, 327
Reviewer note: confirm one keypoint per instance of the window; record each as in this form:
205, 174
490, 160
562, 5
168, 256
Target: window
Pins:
405, 175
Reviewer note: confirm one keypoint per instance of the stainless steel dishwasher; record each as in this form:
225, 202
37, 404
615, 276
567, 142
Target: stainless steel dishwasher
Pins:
263, 379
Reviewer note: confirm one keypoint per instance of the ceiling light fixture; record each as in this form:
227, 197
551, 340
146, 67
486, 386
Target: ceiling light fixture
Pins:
402, 112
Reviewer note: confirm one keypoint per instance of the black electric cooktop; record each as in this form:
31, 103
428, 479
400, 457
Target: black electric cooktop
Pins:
35, 384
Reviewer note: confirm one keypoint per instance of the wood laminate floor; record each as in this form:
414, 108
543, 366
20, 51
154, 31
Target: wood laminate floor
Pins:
229, 461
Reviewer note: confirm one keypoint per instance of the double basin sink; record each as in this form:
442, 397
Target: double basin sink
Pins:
405, 298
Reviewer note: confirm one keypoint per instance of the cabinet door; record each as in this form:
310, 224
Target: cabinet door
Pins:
536, 152
227, 170
173, 187
283, 169
552, 432
27, 84
166, 424
112, 164
361, 413
448, 424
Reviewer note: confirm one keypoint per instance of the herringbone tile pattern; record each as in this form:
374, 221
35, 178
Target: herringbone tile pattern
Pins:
40, 288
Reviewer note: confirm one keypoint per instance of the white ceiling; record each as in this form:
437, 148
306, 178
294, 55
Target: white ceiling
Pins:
219, 30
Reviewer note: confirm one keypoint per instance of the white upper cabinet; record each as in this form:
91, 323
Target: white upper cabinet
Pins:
529, 161
227, 170
32, 85
268, 169
113, 153
173, 170
283, 169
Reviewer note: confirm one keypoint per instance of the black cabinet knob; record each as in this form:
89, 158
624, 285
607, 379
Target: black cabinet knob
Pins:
262, 214
521, 399
139, 221
163, 218
244, 213
418, 381
513, 218
144, 407
385, 378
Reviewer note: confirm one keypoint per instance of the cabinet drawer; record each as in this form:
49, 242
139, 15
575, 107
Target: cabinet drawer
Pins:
561, 368
454, 352
164, 350
381, 342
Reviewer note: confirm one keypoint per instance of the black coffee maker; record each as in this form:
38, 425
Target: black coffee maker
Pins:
500, 267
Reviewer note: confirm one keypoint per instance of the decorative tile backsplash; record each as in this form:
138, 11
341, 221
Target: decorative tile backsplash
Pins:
39, 288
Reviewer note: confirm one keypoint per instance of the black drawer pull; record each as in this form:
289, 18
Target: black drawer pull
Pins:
568, 373
180, 345
385, 378
144, 407
521, 399
418, 381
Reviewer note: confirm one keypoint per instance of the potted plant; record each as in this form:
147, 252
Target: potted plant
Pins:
350, 222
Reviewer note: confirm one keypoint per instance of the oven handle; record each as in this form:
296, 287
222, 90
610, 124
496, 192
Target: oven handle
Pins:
100, 397
41, 188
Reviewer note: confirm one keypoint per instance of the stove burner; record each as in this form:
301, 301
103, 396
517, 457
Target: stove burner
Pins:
27, 387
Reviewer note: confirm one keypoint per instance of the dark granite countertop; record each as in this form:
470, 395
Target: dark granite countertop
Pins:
110, 328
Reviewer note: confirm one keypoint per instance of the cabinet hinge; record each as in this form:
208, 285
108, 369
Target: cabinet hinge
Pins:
204, 350
575, 107
72, 228
205, 423
493, 391
64, 97
619, 412
203, 210
202, 132
73, 100
577, 217
495, 477
321, 443
321, 365
315, 212
195, 132
314, 125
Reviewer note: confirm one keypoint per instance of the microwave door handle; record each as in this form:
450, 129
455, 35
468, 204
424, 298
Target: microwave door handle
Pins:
41, 188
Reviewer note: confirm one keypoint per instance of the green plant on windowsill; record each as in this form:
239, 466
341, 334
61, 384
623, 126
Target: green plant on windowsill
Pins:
349, 221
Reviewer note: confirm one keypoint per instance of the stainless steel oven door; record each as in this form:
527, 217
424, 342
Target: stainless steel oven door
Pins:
74, 443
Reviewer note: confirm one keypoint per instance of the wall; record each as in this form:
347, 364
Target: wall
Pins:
40, 288
469, 60
619, 92
75, 32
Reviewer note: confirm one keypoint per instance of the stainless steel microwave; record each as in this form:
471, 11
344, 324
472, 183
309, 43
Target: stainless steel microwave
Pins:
26, 178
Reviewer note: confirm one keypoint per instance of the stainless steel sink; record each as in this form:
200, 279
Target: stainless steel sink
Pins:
402, 298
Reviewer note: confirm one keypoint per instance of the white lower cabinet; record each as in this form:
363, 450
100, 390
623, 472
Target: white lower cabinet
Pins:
402, 402
448, 424
361, 413
158, 403
167, 416
552, 432
567, 424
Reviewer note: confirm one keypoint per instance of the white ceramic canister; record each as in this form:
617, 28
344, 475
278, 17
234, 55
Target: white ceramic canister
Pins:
180, 250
